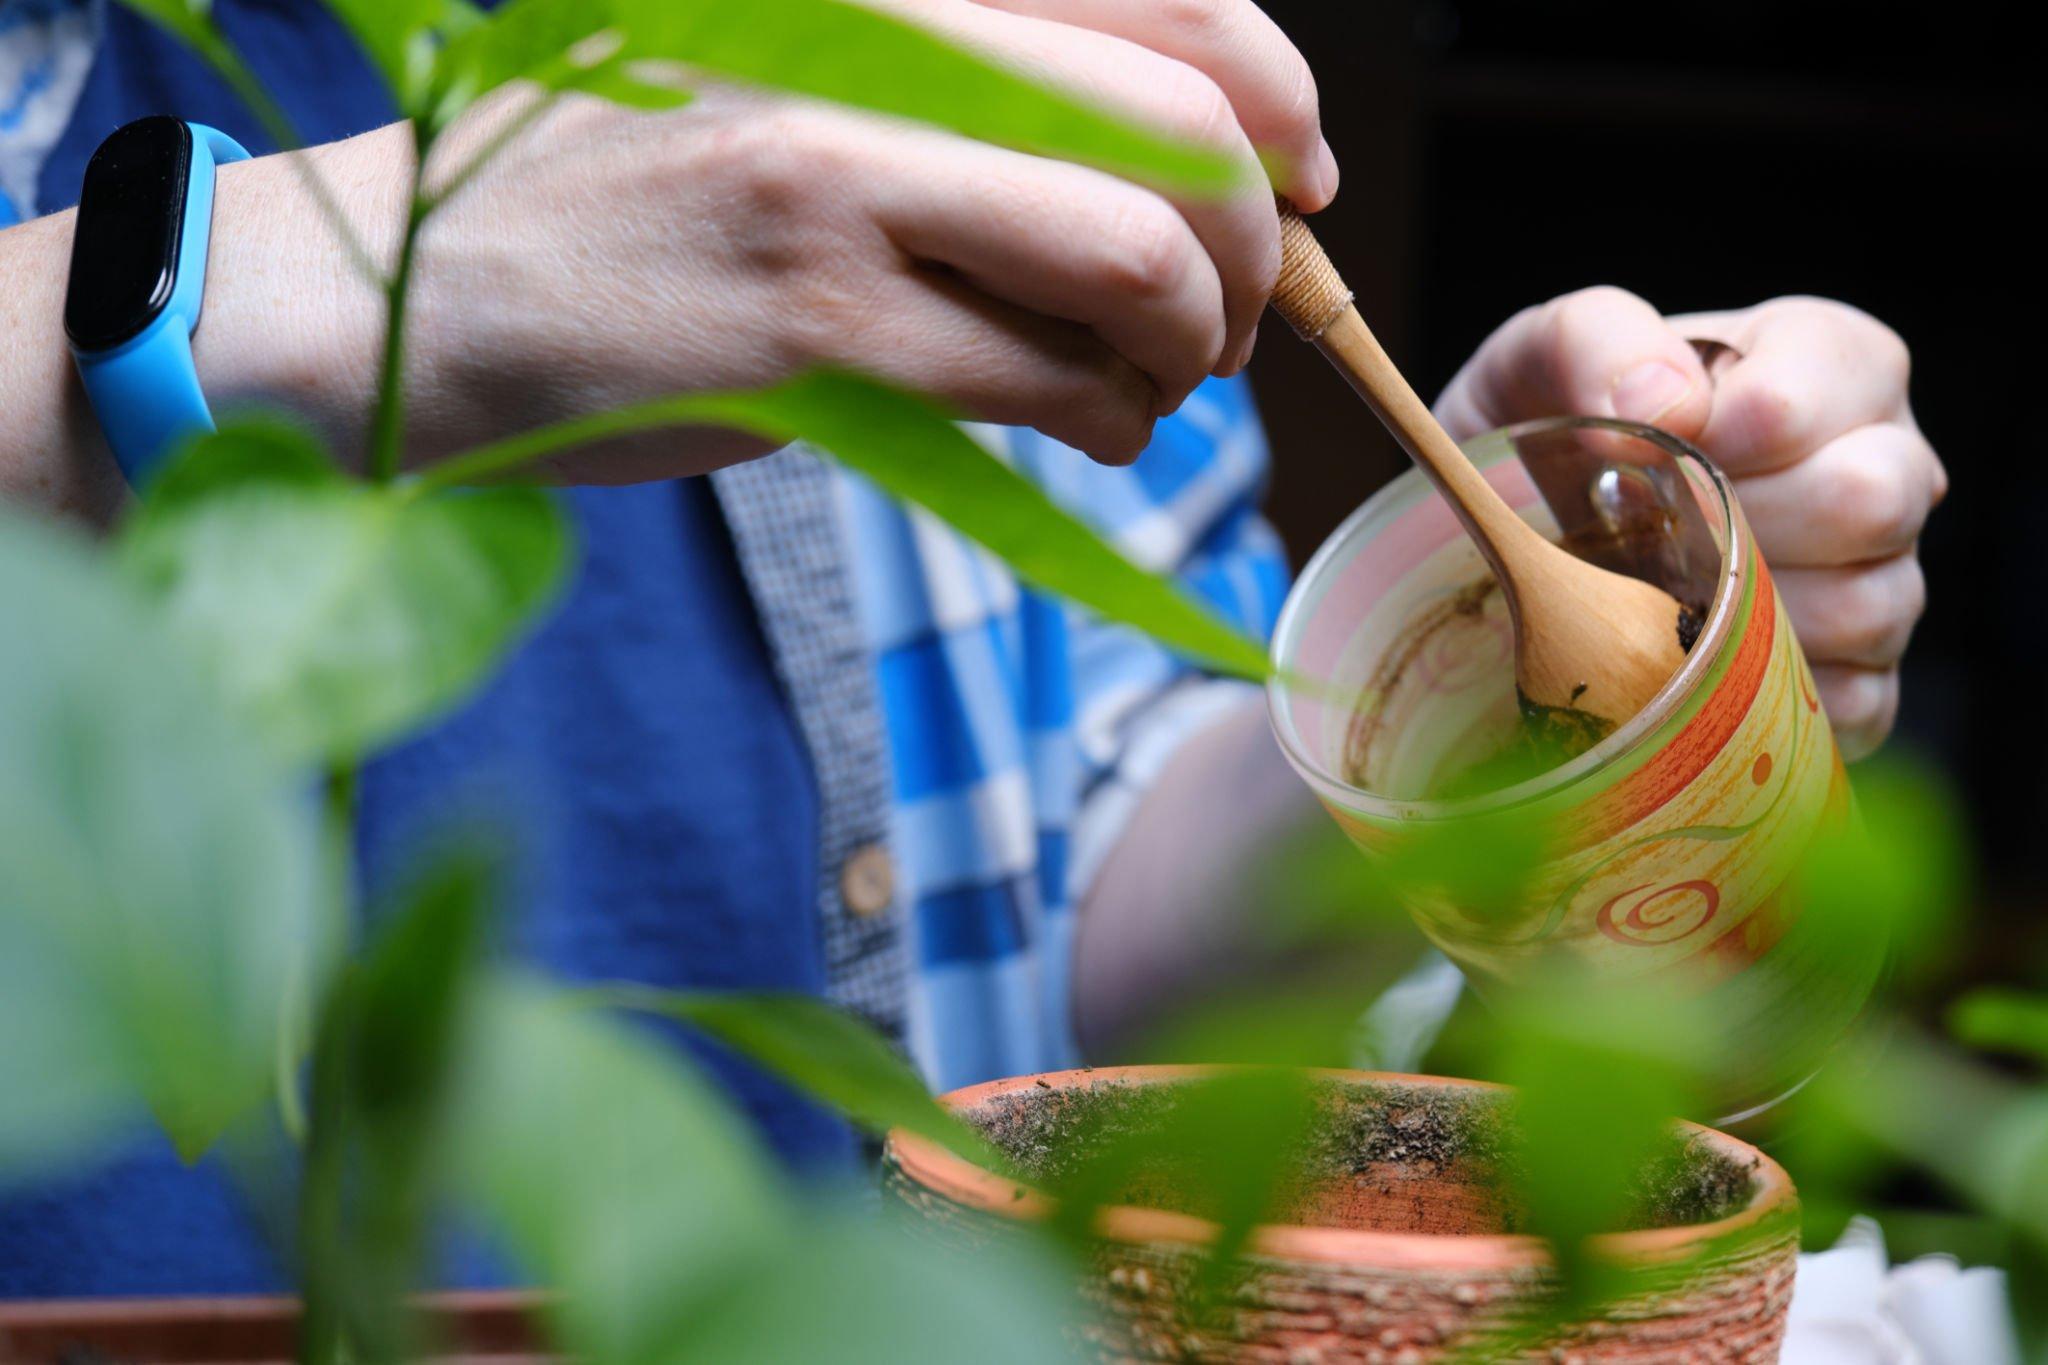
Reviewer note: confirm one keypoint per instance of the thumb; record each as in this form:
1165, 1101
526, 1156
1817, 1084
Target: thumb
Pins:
1601, 352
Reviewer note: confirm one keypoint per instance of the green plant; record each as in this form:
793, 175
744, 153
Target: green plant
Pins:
178, 924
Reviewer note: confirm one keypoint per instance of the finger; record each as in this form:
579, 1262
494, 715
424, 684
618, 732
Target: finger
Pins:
1064, 241
1240, 231
1266, 79
1860, 614
1861, 703
1810, 370
1860, 497
1600, 352
1000, 363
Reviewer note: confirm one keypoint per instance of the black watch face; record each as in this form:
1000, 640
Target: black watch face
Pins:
124, 249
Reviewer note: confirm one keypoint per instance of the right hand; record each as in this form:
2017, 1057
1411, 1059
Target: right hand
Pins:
609, 256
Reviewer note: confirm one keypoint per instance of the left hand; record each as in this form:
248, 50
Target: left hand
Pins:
1812, 424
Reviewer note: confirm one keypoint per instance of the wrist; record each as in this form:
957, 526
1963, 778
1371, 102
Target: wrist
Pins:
289, 319
52, 457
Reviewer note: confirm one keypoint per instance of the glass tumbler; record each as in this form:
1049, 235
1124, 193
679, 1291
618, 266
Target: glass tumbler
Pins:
1675, 841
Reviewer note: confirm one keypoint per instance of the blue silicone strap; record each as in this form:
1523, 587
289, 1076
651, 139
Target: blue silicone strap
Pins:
146, 390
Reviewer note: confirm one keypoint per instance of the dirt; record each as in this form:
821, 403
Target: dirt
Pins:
1367, 1141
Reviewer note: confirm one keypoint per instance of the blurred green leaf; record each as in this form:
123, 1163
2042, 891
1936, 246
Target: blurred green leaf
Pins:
400, 38
382, 1072
1228, 1146
824, 1051
829, 50
620, 1178
2002, 1021
189, 20
158, 875
631, 84
863, 1291
1305, 1024
1483, 864
1599, 1076
1901, 870
914, 451
336, 615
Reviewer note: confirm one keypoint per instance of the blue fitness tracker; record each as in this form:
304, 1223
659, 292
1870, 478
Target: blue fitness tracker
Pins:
138, 270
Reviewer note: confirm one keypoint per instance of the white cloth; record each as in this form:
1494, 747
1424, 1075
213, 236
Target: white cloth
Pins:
1851, 1306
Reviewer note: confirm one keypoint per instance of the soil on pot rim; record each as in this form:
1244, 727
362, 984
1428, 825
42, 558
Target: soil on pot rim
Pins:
1379, 1157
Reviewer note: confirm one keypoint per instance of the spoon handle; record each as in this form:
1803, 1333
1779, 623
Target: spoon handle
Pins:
1312, 298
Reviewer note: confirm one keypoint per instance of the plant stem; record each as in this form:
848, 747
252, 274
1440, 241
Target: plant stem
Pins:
277, 125
321, 1336
387, 425
496, 143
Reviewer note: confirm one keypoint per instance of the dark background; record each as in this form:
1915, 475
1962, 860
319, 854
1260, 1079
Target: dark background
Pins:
1499, 152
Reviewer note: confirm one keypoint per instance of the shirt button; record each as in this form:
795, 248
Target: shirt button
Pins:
867, 880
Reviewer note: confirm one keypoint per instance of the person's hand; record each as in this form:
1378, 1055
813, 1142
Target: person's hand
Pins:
609, 255
1809, 416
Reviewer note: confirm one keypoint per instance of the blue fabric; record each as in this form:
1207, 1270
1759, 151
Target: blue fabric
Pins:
597, 745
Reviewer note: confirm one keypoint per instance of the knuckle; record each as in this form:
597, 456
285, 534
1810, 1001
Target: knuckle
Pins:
1148, 252
1889, 353
1582, 314
1200, 111
1767, 413
1861, 702
768, 167
1873, 343
1878, 610
1200, 20
1873, 508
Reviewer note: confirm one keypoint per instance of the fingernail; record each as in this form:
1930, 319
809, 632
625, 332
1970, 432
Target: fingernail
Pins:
1326, 170
1650, 390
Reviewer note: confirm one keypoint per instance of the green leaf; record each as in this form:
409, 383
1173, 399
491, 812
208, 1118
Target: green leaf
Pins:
1230, 1144
398, 36
620, 1178
865, 1291
822, 1050
338, 615
830, 50
382, 1074
159, 883
2002, 1021
914, 451
635, 85
1600, 1072
188, 20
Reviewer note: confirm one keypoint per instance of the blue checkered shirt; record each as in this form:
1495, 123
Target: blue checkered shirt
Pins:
1023, 731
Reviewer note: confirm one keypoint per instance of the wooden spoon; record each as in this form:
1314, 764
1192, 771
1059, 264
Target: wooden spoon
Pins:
1586, 639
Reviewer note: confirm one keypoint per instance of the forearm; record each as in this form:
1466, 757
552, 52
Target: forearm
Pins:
1174, 907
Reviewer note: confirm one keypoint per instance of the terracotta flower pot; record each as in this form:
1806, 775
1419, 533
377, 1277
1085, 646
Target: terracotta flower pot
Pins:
492, 1327
1399, 1244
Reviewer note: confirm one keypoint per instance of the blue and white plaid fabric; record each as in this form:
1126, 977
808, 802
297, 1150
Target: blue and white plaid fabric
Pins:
1023, 731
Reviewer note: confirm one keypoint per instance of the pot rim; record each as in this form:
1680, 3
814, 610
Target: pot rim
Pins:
940, 1171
